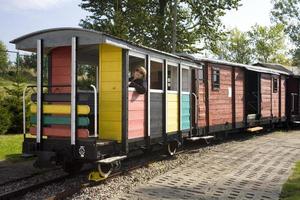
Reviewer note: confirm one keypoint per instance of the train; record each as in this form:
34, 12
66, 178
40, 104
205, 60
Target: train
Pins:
187, 99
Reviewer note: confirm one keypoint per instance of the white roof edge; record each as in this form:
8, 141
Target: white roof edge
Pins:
248, 67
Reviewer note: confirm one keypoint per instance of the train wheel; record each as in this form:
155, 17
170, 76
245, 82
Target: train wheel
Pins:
172, 148
105, 170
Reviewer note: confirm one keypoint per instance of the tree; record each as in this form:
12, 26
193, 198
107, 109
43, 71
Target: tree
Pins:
268, 43
235, 47
3, 58
150, 23
28, 61
296, 58
287, 12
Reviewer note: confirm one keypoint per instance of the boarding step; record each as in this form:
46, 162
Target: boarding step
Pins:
111, 159
105, 142
296, 122
255, 129
207, 137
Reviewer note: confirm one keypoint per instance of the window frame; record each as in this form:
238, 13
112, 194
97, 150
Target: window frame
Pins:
161, 61
215, 71
275, 89
184, 67
176, 65
140, 56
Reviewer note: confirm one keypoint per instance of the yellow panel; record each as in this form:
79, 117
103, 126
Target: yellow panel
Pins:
111, 76
110, 66
110, 96
110, 100
110, 116
172, 114
110, 86
61, 109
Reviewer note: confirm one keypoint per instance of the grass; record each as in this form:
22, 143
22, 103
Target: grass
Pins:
11, 147
291, 189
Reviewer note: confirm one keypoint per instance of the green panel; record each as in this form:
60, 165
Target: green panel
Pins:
185, 111
59, 120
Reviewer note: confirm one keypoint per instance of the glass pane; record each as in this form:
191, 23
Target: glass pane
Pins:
172, 78
185, 80
156, 76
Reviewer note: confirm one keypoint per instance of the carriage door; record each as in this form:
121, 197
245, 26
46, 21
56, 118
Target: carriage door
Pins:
186, 102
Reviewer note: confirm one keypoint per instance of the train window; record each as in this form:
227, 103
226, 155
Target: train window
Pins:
200, 74
186, 80
215, 78
172, 77
156, 75
275, 85
134, 62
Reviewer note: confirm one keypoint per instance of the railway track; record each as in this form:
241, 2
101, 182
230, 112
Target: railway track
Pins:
127, 167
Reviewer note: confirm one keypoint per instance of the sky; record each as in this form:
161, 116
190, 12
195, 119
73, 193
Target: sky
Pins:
19, 17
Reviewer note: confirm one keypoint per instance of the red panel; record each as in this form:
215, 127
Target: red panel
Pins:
61, 68
60, 132
283, 92
136, 115
266, 95
220, 105
239, 94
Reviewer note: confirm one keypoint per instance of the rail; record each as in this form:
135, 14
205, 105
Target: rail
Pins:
95, 111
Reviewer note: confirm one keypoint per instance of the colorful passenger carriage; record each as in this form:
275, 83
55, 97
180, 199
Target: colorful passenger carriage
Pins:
187, 98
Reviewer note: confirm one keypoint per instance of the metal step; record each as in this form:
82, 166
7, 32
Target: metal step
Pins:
111, 159
255, 129
296, 122
207, 137
105, 142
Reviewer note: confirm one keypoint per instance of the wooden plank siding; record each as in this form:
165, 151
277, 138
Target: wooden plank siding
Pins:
201, 105
110, 100
61, 69
185, 111
275, 98
172, 112
266, 95
239, 94
283, 93
136, 115
220, 105
156, 115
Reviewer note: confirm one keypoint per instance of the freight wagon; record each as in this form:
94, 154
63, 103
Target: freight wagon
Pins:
187, 98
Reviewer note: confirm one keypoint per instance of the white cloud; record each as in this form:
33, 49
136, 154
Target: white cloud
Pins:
16, 5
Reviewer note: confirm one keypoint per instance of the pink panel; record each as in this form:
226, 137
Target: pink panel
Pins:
136, 115
60, 132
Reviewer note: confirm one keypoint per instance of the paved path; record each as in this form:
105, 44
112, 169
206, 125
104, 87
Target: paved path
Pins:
251, 169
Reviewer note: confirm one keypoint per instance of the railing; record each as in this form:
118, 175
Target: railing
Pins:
95, 106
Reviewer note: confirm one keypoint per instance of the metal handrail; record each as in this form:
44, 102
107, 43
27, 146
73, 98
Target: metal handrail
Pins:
95, 111
24, 107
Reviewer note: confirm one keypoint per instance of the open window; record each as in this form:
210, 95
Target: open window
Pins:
156, 75
134, 62
172, 77
186, 80
275, 85
215, 78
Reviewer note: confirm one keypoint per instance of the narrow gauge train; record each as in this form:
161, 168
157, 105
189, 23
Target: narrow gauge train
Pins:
187, 98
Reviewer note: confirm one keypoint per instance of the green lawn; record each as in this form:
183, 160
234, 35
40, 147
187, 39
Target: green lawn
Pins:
11, 147
291, 189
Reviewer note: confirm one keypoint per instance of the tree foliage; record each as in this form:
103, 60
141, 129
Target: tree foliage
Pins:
268, 43
3, 58
287, 12
261, 43
150, 22
235, 47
